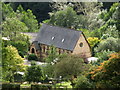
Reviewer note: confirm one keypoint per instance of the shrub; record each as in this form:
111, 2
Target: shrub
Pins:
10, 86
103, 84
32, 57
21, 54
41, 87
48, 69
93, 41
82, 82
22, 46
34, 73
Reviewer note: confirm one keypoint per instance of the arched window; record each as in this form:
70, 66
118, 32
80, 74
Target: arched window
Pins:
33, 50
43, 48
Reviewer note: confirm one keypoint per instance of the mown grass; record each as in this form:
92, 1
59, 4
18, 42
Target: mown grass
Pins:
25, 86
64, 84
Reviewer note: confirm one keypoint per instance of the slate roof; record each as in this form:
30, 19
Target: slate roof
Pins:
37, 47
57, 36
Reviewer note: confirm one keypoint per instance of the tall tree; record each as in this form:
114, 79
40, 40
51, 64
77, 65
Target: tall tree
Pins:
12, 27
112, 21
87, 13
40, 9
20, 14
64, 18
7, 11
28, 18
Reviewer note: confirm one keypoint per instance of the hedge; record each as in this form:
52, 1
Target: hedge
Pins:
32, 57
10, 86
41, 87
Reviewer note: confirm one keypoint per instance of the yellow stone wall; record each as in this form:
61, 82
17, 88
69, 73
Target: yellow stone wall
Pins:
84, 50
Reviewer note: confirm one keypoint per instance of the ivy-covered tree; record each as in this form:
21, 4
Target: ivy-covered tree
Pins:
52, 54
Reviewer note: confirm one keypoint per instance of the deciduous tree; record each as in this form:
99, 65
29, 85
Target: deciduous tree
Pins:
70, 66
11, 62
107, 74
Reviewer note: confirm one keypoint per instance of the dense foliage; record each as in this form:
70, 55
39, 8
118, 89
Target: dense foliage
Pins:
107, 74
11, 62
12, 27
110, 43
34, 73
25, 20
83, 82
28, 18
32, 57
64, 18
69, 66
52, 54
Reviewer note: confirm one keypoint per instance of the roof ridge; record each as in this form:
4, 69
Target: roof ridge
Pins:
61, 27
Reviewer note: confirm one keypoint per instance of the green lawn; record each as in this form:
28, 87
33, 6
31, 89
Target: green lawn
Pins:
58, 85
25, 85
64, 84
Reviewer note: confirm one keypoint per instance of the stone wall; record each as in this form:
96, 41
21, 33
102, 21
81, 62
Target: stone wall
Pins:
82, 47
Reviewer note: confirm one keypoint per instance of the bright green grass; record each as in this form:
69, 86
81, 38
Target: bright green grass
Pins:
64, 84
25, 85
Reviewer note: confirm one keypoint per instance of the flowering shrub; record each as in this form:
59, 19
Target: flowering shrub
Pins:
93, 41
